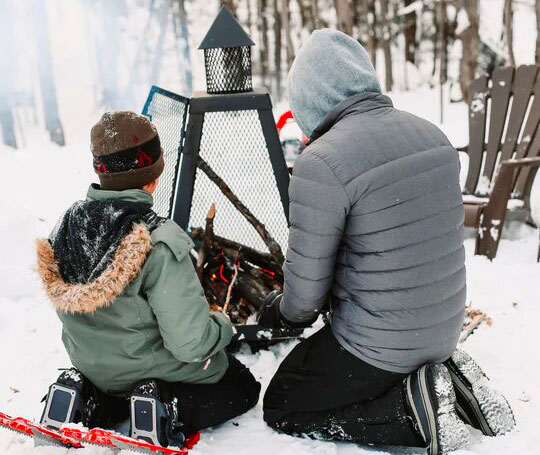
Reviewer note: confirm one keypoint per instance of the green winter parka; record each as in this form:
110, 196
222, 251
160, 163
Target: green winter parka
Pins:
145, 316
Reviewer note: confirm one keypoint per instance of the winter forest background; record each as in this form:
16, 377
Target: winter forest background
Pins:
62, 59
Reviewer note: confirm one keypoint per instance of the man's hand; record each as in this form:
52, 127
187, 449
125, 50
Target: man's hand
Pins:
269, 314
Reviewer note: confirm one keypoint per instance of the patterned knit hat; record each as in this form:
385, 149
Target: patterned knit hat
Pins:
126, 149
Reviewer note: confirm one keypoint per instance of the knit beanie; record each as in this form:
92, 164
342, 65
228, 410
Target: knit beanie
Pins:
126, 150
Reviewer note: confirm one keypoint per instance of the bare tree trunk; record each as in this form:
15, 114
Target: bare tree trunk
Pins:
306, 14
387, 45
345, 16
508, 20
436, 38
263, 40
46, 76
6, 77
373, 38
181, 33
360, 11
231, 4
249, 16
537, 54
409, 33
277, 47
315, 13
163, 20
470, 39
286, 19
443, 42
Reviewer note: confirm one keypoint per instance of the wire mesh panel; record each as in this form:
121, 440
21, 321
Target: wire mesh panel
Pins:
233, 144
167, 111
228, 70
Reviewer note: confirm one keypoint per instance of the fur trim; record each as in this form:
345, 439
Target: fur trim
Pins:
87, 298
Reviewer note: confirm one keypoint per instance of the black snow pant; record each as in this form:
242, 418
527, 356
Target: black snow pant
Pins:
202, 406
323, 391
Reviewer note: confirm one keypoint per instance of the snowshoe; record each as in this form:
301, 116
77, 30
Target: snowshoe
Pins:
74, 399
64, 403
154, 416
75, 438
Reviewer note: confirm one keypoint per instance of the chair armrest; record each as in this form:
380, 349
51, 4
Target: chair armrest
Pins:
493, 214
522, 162
496, 207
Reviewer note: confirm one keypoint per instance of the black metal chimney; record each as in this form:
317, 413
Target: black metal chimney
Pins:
227, 55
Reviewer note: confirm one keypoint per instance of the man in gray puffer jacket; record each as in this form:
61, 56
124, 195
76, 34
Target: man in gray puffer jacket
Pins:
376, 233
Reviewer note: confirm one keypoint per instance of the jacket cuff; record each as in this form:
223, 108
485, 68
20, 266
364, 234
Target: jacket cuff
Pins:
295, 325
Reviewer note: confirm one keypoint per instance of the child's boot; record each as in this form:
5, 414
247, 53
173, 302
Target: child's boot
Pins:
154, 415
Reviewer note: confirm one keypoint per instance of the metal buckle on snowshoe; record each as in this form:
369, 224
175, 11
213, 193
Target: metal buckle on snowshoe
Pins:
144, 424
62, 404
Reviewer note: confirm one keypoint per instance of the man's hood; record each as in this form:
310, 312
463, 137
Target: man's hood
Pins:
329, 68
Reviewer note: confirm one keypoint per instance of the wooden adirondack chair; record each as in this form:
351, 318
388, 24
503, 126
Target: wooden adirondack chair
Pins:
503, 150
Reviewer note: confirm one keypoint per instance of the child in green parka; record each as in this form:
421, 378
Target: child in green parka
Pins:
135, 320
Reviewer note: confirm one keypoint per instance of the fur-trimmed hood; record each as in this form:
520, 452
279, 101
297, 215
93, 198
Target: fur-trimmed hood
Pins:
88, 297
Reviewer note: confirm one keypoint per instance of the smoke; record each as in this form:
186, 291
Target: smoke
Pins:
66, 61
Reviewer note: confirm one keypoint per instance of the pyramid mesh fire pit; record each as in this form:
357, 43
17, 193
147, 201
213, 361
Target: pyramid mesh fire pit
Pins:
226, 181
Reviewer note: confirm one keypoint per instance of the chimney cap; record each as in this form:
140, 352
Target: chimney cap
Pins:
225, 31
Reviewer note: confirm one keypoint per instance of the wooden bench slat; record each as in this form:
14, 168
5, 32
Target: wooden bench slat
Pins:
531, 124
500, 98
522, 89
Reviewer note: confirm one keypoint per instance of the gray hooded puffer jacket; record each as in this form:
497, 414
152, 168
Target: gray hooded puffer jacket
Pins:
376, 215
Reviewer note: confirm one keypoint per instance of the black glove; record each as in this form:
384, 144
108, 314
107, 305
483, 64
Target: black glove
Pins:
269, 314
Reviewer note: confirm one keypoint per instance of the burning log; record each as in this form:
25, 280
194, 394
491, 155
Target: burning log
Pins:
236, 278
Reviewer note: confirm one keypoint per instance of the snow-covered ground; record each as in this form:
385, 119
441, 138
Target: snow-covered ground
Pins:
41, 180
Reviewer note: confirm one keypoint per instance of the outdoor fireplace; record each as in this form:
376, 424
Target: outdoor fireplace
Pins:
222, 147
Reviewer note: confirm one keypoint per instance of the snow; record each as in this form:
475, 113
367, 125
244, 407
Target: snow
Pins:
46, 179
41, 180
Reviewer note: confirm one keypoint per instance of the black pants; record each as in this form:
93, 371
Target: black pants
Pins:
200, 405
323, 391
206, 405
